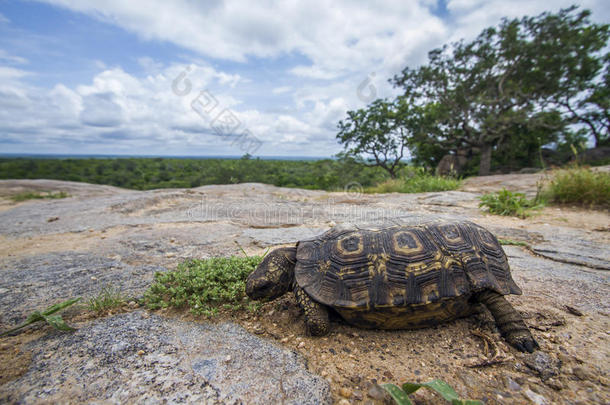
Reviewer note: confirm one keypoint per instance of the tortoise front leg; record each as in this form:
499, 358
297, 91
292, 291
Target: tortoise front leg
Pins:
508, 320
316, 315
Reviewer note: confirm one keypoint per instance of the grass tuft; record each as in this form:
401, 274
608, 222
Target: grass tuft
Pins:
108, 298
579, 185
509, 203
511, 242
28, 195
204, 286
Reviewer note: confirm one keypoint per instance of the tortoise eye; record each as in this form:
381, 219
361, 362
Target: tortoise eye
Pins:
265, 287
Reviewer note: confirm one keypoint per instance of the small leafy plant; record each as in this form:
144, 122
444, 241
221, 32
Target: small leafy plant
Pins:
505, 202
38, 196
204, 286
401, 395
107, 299
47, 316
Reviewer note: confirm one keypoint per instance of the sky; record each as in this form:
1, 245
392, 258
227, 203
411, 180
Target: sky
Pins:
185, 77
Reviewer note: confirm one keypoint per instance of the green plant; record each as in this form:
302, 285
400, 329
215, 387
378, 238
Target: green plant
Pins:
28, 195
505, 202
579, 185
108, 298
47, 316
203, 285
439, 386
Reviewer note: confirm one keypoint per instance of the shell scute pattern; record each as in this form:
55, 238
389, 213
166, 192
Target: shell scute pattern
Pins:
401, 266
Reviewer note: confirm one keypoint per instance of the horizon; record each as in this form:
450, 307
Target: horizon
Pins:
17, 155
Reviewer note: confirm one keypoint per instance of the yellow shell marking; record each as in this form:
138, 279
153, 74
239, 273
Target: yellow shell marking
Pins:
406, 242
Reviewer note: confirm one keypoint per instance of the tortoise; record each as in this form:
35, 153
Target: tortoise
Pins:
395, 276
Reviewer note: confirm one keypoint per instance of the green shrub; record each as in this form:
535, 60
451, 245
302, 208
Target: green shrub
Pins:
203, 285
417, 180
509, 203
579, 185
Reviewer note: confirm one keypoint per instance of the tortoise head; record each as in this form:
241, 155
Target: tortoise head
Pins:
274, 276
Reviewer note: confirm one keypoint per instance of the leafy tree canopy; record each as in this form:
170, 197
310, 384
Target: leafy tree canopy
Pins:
378, 135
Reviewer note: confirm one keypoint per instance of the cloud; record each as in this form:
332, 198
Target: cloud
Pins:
287, 70
8, 73
5, 58
100, 110
118, 112
336, 36
281, 89
469, 17
313, 72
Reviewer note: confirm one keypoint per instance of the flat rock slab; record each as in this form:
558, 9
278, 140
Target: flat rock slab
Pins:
566, 282
35, 282
575, 251
276, 236
449, 198
141, 358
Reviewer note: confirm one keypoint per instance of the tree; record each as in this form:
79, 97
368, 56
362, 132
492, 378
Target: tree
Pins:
570, 54
590, 107
477, 93
379, 134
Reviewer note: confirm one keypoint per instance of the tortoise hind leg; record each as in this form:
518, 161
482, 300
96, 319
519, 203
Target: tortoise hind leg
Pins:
508, 320
316, 315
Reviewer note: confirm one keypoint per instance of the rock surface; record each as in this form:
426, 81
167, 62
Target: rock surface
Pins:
52, 250
29, 282
133, 358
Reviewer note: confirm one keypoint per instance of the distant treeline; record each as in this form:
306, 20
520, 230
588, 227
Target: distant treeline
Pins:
151, 173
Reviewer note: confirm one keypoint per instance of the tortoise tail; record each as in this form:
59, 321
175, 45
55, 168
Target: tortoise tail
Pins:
509, 322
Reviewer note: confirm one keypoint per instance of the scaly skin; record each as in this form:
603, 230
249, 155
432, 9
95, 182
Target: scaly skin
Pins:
316, 315
508, 320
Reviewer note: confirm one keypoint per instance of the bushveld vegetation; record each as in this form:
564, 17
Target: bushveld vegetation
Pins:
152, 173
